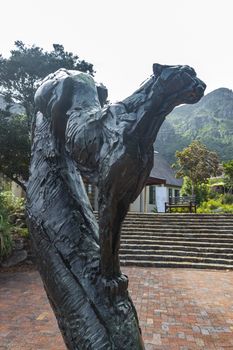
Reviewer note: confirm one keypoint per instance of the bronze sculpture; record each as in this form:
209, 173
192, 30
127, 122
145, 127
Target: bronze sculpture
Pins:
75, 136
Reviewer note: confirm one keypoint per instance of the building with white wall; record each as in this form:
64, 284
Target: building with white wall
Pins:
161, 185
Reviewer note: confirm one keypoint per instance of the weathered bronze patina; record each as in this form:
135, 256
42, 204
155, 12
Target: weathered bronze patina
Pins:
76, 135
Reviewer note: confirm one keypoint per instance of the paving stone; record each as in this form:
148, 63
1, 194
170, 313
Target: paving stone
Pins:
184, 309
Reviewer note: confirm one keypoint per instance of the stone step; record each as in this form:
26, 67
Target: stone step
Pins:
174, 247
168, 224
173, 238
180, 218
176, 216
139, 214
178, 221
171, 235
175, 252
177, 258
178, 230
175, 264
178, 242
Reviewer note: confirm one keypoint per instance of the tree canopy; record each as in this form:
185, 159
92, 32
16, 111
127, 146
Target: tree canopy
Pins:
197, 163
15, 147
228, 174
21, 72
20, 75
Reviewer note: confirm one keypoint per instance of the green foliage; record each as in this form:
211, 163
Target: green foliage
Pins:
217, 206
5, 238
202, 193
216, 180
21, 72
201, 190
227, 198
186, 189
23, 231
15, 146
196, 163
228, 174
11, 204
20, 75
180, 210
5, 184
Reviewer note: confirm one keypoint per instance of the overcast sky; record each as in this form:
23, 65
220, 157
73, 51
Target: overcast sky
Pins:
122, 38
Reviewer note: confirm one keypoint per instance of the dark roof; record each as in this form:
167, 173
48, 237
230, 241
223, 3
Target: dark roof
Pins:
163, 172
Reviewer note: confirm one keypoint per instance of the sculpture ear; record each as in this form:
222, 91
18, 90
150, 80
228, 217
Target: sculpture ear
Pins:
157, 69
102, 94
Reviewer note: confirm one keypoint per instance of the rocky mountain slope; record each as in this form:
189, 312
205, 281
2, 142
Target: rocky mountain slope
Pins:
210, 121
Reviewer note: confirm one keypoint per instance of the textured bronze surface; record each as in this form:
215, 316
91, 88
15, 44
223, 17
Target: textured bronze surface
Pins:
75, 135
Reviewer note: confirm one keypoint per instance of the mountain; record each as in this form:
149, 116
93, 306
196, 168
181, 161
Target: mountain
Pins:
210, 121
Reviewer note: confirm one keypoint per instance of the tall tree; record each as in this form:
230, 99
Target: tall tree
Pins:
20, 75
197, 163
15, 147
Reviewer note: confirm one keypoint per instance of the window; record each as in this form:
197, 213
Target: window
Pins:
177, 193
152, 195
170, 192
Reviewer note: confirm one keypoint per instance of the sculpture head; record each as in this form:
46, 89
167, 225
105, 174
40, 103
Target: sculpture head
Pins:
178, 82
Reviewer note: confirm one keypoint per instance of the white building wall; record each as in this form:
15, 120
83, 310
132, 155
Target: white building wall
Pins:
135, 206
161, 198
139, 204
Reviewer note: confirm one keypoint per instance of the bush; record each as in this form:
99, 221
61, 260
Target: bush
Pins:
227, 198
180, 210
5, 238
11, 204
201, 191
215, 206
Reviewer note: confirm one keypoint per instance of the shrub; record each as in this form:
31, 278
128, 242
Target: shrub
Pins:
23, 231
227, 198
9, 203
201, 190
5, 238
215, 206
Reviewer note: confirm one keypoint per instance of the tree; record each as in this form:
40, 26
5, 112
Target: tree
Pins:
15, 147
21, 72
20, 75
201, 190
197, 163
228, 174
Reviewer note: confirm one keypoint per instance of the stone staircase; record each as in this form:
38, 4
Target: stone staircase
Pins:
177, 240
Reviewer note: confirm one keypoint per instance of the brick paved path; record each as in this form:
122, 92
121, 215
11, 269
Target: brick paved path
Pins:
179, 309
